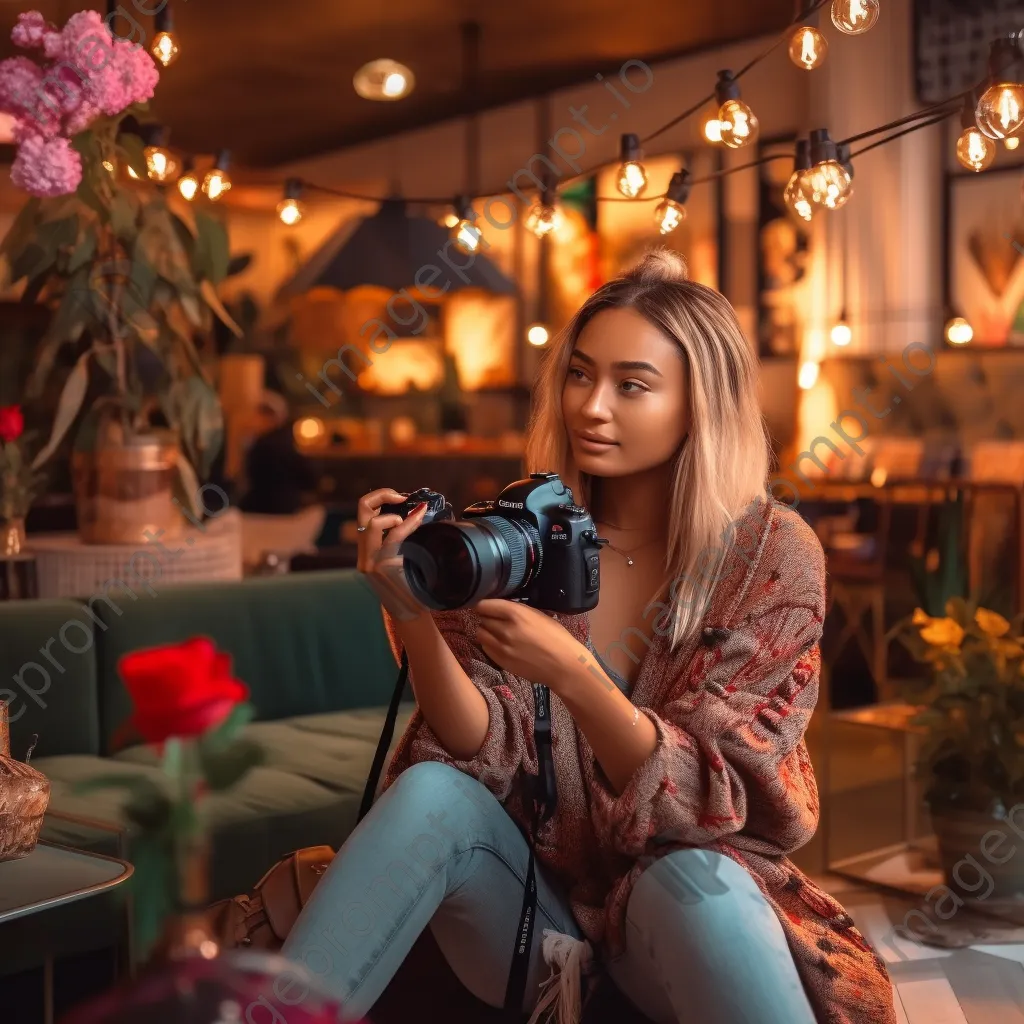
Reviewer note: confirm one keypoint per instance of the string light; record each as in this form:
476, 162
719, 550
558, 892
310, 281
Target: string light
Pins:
671, 211
1012, 143
854, 17
959, 331
807, 46
466, 235
537, 335
384, 80
161, 164
713, 129
544, 215
188, 183
1000, 111
808, 375
217, 182
632, 179
290, 210
973, 149
829, 182
165, 44
796, 195
739, 125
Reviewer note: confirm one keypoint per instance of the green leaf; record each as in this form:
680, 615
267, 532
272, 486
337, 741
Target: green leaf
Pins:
84, 251
134, 151
88, 190
223, 768
71, 399
213, 301
123, 211
223, 736
188, 487
31, 261
212, 256
21, 230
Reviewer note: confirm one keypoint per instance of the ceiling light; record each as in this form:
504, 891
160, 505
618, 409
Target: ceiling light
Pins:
384, 80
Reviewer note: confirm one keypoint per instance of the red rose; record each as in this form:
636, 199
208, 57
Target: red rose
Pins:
12, 423
180, 689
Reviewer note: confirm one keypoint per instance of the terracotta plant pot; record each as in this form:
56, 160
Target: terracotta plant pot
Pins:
966, 839
24, 796
124, 491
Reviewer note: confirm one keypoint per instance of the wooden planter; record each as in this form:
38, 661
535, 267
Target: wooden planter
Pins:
24, 796
123, 493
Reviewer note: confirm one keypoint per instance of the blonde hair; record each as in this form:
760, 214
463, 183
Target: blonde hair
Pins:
723, 464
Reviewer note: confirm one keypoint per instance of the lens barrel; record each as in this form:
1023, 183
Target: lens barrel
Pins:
452, 565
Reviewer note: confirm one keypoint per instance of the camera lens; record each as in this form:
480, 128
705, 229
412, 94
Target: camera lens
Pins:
452, 565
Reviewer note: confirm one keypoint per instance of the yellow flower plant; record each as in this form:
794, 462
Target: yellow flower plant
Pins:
971, 703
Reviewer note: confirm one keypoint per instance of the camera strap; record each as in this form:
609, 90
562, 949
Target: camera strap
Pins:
545, 799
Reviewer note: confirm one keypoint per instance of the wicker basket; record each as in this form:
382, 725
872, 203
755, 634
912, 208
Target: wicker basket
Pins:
24, 796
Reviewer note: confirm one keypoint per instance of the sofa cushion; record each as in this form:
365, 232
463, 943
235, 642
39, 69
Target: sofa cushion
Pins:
48, 676
304, 644
305, 793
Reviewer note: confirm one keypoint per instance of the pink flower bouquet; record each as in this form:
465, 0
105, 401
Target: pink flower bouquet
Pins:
75, 75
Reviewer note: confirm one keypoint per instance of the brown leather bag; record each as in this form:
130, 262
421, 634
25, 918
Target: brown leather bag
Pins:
262, 918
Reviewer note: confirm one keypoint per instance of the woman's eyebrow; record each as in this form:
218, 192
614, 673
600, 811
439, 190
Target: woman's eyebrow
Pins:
629, 364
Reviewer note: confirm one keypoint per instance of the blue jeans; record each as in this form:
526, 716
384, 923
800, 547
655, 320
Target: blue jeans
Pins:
437, 849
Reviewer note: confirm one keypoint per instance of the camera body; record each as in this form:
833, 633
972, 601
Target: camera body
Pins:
531, 544
438, 509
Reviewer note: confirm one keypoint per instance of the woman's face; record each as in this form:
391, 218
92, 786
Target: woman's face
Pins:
625, 398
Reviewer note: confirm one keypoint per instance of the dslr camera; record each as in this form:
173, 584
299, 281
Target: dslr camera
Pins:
531, 544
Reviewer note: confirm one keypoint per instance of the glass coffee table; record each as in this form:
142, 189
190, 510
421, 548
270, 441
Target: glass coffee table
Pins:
38, 887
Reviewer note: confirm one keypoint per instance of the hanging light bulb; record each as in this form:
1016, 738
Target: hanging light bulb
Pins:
132, 173
290, 210
466, 235
959, 331
632, 178
165, 44
450, 219
973, 149
671, 211
841, 333
384, 80
1012, 142
1000, 111
544, 215
808, 375
188, 183
854, 17
110, 167
161, 164
739, 125
807, 46
537, 335
796, 194
829, 182
217, 182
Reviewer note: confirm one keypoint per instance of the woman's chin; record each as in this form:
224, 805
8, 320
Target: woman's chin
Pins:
603, 463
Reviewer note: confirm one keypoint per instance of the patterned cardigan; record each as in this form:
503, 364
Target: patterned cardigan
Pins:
730, 771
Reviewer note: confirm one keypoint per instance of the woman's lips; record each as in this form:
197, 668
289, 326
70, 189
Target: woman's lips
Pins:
593, 445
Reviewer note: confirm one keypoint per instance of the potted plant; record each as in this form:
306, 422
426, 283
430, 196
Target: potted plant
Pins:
131, 282
971, 704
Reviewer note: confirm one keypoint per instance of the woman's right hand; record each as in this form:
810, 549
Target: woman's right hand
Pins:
378, 558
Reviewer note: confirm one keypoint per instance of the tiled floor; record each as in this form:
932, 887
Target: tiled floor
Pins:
979, 985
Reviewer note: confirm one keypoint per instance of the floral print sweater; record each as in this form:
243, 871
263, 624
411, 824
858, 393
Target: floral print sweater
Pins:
730, 772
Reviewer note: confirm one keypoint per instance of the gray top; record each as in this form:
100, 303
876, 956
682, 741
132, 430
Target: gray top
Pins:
620, 681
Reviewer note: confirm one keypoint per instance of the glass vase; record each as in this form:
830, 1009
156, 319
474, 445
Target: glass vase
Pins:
18, 577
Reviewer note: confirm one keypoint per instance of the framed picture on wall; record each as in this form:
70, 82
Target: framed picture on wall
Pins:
985, 254
782, 246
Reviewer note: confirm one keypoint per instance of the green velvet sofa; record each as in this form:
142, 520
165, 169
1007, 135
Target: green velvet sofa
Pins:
313, 651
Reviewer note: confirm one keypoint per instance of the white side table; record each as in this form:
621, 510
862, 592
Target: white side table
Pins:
68, 568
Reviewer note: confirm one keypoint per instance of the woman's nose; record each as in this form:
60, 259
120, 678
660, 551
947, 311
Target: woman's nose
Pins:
597, 405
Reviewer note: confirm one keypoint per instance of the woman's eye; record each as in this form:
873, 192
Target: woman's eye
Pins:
575, 373
632, 387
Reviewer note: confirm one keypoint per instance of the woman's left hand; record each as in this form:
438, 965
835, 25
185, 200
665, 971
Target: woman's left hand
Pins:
527, 642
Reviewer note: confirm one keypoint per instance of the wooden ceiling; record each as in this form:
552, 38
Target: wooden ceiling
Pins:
272, 81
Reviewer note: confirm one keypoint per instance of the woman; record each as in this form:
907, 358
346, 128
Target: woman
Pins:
683, 780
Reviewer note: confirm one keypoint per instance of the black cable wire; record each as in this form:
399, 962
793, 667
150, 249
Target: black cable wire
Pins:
897, 135
918, 114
